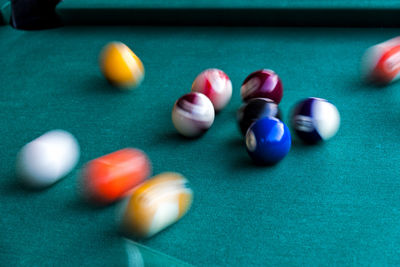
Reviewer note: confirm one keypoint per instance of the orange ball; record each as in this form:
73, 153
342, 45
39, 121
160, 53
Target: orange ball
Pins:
111, 177
120, 66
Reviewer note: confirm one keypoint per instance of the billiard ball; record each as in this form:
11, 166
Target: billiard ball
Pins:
255, 109
268, 141
47, 159
381, 62
216, 85
156, 204
315, 120
193, 114
120, 66
262, 83
111, 177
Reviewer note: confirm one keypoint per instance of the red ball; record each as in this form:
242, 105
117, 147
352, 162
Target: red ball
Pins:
264, 84
381, 62
216, 85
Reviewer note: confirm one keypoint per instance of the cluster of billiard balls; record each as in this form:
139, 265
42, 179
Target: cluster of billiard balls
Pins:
151, 204
109, 178
123, 69
268, 139
193, 113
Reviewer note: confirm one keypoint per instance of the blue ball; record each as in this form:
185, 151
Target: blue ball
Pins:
268, 141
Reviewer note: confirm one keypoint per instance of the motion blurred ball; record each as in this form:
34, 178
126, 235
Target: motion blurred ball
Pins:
47, 159
216, 85
381, 62
108, 178
193, 114
156, 204
268, 141
254, 110
264, 84
315, 120
120, 66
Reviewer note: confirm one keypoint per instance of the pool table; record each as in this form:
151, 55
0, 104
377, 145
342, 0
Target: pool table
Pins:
335, 203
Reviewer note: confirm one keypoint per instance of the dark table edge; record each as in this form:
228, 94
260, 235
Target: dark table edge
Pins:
335, 17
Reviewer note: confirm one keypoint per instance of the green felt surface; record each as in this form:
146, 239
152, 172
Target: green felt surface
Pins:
332, 204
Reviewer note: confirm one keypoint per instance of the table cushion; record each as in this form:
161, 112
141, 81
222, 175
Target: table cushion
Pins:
239, 12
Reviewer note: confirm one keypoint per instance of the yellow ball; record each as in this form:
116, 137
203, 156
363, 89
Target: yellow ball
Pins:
156, 204
121, 67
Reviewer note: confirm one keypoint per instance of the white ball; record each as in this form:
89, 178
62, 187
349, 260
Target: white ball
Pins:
47, 159
216, 85
193, 114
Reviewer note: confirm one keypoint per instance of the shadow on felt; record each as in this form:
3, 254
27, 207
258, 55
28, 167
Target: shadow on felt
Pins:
14, 186
362, 85
81, 204
240, 160
172, 137
97, 84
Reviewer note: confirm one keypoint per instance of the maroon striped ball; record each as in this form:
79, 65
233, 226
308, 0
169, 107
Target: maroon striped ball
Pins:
264, 84
193, 114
